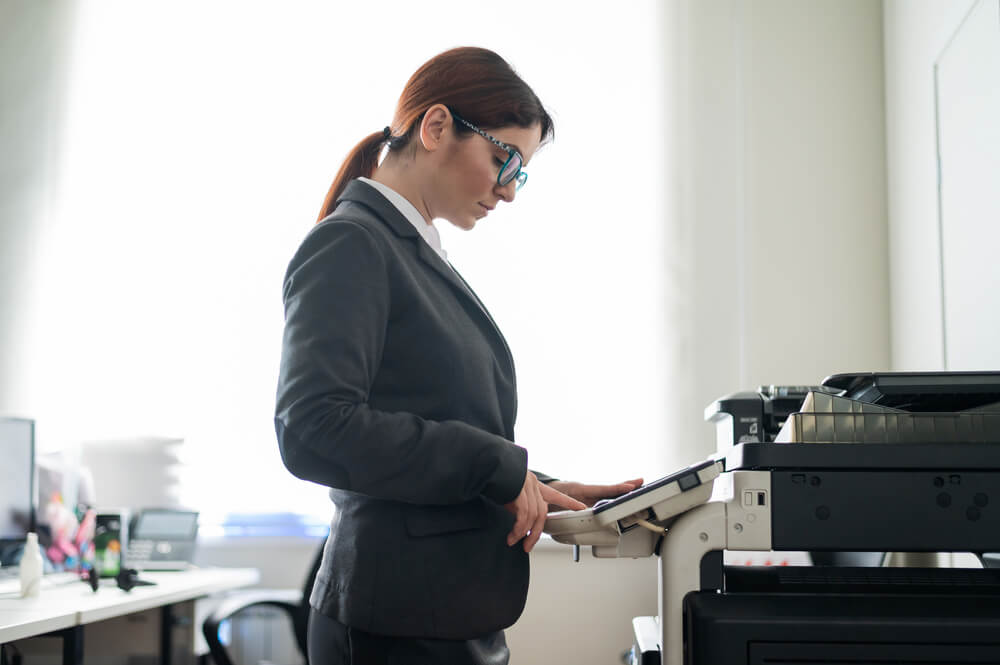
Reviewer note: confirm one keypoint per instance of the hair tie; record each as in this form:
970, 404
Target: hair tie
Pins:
386, 133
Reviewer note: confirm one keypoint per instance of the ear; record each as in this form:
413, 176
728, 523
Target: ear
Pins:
435, 126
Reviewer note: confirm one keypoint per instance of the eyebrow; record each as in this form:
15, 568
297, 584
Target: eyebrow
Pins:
512, 145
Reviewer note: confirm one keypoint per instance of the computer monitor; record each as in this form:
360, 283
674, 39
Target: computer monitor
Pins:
17, 489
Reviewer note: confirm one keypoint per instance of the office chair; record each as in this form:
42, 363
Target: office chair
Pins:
293, 602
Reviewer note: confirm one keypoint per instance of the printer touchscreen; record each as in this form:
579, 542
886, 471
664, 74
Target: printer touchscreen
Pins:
685, 478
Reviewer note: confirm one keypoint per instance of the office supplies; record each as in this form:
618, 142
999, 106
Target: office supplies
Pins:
162, 539
135, 472
908, 494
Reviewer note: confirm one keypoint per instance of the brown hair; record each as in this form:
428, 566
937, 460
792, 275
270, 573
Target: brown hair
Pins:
475, 83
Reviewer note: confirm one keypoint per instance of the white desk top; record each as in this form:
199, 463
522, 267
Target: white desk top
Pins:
76, 604
18, 624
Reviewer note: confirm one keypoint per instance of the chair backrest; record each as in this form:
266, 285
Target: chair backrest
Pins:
300, 622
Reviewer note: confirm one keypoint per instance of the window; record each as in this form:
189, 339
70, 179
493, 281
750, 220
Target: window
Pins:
201, 138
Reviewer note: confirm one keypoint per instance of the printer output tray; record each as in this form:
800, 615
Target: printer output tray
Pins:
842, 629
838, 580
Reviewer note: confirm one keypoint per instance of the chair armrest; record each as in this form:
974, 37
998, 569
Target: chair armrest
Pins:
287, 600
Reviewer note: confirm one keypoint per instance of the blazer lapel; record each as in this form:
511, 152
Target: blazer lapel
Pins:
362, 193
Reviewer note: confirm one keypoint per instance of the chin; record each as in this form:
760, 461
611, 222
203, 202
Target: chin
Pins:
465, 224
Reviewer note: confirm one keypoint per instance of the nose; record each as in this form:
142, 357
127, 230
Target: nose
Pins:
507, 192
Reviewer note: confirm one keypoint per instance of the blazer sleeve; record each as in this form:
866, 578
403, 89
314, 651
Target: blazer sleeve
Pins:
337, 302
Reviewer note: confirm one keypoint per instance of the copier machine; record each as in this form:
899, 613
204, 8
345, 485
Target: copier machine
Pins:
869, 462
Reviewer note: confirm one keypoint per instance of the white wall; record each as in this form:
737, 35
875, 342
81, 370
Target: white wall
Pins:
777, 263
915, 35
781, 243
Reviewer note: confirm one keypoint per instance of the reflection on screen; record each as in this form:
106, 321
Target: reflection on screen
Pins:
17, 455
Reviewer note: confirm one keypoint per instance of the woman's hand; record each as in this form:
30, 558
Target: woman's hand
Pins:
591, 494
530, 508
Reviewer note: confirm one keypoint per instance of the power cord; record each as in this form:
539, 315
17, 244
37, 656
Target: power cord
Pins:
652, 527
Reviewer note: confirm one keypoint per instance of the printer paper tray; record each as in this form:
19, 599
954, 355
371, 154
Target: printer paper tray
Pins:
888, 629
851, 580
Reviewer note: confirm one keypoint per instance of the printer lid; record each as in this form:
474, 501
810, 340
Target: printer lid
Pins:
919, 391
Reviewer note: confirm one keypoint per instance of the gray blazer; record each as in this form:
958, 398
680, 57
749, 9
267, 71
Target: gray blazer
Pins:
397, 391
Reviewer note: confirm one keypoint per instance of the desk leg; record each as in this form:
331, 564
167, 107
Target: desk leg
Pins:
166, 633
72, 645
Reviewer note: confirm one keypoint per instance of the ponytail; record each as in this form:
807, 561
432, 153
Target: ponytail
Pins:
361, 161
475, 82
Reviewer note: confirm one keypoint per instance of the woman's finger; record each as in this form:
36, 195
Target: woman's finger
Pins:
521, 508
554, 496
541, 510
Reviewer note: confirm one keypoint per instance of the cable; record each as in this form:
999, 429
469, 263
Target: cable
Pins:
652, 527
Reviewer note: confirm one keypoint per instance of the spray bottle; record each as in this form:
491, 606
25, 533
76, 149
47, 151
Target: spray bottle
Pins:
31, 567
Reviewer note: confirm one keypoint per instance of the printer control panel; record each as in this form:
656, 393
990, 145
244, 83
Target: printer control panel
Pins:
614, 527
652, 495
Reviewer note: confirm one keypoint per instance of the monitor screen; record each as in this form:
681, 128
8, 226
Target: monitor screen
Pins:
155, 524
17, 489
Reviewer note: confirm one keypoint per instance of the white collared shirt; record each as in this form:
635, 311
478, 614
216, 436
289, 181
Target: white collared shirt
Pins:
407, 209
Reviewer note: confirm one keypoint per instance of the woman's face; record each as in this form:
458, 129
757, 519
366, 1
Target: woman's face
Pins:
467, 173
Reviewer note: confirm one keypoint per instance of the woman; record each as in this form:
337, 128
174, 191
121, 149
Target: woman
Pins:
397, 390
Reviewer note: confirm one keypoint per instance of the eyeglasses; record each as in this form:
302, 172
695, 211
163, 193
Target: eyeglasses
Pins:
511, 169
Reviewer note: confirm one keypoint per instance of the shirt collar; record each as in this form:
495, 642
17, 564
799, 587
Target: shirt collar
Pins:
407, 209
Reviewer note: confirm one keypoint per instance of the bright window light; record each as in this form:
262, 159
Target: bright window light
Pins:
201, 139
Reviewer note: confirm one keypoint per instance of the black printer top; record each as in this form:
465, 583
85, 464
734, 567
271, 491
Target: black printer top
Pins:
920, 391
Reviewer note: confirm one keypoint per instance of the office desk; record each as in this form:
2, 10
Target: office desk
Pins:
19, 624
66, 609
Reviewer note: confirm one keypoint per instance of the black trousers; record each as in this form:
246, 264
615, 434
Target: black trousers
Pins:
332, 643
